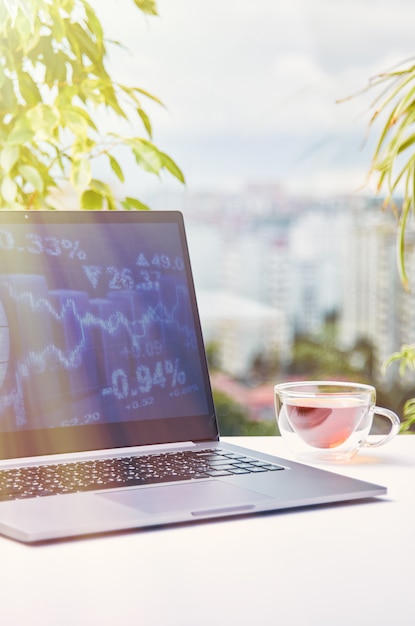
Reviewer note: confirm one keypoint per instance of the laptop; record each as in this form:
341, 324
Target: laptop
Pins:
107, 420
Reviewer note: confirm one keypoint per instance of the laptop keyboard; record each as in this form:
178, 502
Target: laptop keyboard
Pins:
53, 479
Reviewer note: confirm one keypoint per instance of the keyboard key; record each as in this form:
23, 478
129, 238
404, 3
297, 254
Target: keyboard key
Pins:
215, 473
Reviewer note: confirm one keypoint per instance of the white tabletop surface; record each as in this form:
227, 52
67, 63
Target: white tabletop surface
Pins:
348, 564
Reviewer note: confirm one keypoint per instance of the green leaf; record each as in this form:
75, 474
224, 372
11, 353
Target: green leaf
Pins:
92, 200
28, 89
131, 91
111, 100
102, 188
56, 69
8, 157
24, 24
90, 89
111, 202
4, 18
8, 99
12, 7
146, 121
22, 133
401, 245
85, 44
59, 23
31, 175
8, 189
43, 50
172, 167
82, 146
148, 95
116, 168
409, 408
394, 89
132, 203
77, 119
406, 356
406, 171
146, 155
407, 143
43, 119
147, 6
93, 22
81, 174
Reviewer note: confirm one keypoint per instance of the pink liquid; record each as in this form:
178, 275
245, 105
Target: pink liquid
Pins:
325, 422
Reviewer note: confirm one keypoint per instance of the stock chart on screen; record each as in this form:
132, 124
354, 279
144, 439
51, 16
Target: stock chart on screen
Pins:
96, 325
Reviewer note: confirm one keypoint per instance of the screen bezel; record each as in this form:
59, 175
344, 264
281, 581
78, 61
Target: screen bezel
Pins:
69, 439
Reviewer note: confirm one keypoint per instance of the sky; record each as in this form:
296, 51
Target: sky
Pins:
250, 88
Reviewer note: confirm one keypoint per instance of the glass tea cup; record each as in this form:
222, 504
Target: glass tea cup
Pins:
328, 421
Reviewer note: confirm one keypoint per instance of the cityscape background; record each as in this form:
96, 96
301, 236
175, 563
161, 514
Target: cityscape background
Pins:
297, 287
294, 259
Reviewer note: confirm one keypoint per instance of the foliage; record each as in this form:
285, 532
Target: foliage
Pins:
394, 163
212, 355
393, 159
317, 359
233, 418
409, 412
319, 356
265, 366
53, 87
406, 359
406, 356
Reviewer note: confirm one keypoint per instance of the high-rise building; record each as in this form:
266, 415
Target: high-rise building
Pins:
375, 306
296, 265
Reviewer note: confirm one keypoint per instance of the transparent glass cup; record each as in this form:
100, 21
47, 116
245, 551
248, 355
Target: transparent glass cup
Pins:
329, 421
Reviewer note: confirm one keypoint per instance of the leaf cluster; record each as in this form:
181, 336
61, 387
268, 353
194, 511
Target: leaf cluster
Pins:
54, 85
394, 163
406, 359
393, 160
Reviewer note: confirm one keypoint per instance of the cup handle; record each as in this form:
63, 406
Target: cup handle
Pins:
395, 426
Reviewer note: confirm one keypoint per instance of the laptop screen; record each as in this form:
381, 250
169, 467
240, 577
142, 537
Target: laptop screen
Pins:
100, 340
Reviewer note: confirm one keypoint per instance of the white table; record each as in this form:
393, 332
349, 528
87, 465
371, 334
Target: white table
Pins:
336, 565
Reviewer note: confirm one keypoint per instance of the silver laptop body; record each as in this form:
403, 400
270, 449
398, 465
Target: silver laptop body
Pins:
105, 393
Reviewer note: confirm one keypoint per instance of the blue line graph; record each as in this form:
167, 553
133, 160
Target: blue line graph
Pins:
67, 344
115, 322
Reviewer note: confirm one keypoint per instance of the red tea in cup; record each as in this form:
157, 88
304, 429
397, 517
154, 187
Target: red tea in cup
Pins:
326, 422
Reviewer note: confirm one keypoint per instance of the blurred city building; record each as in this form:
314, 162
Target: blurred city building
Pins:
269, 267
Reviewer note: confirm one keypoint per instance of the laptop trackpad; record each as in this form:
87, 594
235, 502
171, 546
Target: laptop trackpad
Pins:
199, 498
